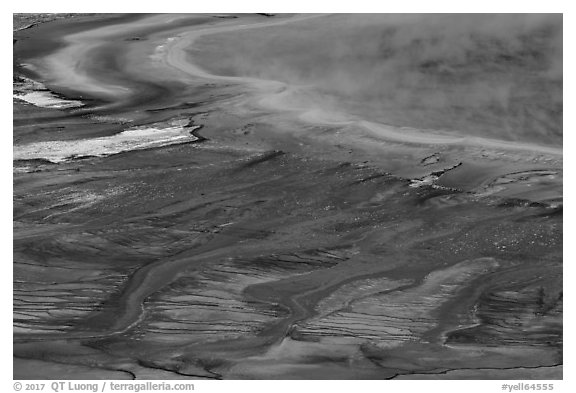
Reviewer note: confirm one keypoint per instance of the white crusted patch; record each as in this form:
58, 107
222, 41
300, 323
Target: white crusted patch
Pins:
131, 139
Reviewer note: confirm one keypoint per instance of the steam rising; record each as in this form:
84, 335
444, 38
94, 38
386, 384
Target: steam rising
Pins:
486, 75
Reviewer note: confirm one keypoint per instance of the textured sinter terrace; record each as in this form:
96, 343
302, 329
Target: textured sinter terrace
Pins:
287, 196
